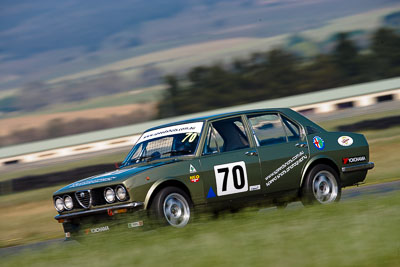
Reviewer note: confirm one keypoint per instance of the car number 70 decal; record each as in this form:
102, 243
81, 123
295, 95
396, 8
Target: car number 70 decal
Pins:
231, 178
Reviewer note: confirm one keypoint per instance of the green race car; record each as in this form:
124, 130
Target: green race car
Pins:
224, 161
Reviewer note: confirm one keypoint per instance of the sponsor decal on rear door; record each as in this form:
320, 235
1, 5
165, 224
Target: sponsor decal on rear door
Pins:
286, 167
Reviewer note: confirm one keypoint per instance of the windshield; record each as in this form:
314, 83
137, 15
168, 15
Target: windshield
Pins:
177, 140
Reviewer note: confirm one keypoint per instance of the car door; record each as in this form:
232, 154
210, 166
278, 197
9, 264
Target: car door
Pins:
282, 149
230, 164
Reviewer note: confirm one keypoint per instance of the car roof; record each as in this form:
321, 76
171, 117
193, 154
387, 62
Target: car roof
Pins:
220, 116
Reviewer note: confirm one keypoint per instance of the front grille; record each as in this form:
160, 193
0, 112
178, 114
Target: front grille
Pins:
84, 198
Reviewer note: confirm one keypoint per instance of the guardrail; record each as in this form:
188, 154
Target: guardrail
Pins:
360, 95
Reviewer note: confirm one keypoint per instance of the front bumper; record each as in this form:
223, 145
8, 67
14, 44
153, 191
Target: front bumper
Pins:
104, 219
358, 167
105, 210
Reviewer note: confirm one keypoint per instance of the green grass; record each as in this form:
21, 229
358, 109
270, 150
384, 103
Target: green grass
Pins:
22, 198
385, 153
27, 217
360, 232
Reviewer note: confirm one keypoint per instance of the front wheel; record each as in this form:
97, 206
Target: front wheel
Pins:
172, 207
322, 186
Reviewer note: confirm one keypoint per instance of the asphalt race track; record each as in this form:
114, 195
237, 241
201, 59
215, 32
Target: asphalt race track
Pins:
347, 194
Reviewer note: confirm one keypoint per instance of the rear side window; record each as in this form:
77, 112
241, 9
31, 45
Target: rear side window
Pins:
268, 129
311, 130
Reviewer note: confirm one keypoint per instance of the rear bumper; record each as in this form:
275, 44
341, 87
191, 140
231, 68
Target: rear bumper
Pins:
358, 167
105, 210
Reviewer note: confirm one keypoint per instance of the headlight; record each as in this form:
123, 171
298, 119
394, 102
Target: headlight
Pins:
59, 204
109, 195
68, 203
121, 193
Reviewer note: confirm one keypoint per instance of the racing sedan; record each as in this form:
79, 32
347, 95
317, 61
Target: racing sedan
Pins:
224, 161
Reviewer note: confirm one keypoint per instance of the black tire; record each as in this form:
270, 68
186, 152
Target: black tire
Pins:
172, 206
321, 186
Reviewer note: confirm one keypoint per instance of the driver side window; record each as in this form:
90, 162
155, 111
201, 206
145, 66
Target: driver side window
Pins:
226, 135
214, 142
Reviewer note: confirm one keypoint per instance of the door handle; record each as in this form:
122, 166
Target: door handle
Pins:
301, 145
251, 153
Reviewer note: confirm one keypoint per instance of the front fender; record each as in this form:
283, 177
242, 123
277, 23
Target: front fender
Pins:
158, 183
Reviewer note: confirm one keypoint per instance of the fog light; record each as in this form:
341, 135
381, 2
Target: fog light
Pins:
59, 204
68, 203
121, 193
109, 195
120, 211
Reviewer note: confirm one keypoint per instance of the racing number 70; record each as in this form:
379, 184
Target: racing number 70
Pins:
236, 183
231, 178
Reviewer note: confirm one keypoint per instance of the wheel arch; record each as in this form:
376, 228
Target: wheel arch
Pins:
316, 161
161, 184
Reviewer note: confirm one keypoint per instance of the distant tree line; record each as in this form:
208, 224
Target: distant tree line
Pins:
279, 73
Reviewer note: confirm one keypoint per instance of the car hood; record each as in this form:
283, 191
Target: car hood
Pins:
114, 176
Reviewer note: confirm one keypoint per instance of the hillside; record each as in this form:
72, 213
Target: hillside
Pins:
48, 39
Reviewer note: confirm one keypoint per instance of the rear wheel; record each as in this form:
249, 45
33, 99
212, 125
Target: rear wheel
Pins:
322, 186
172, 206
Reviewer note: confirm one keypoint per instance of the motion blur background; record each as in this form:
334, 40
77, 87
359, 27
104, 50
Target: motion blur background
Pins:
72, 67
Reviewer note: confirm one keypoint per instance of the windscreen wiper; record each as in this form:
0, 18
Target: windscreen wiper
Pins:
147, 158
